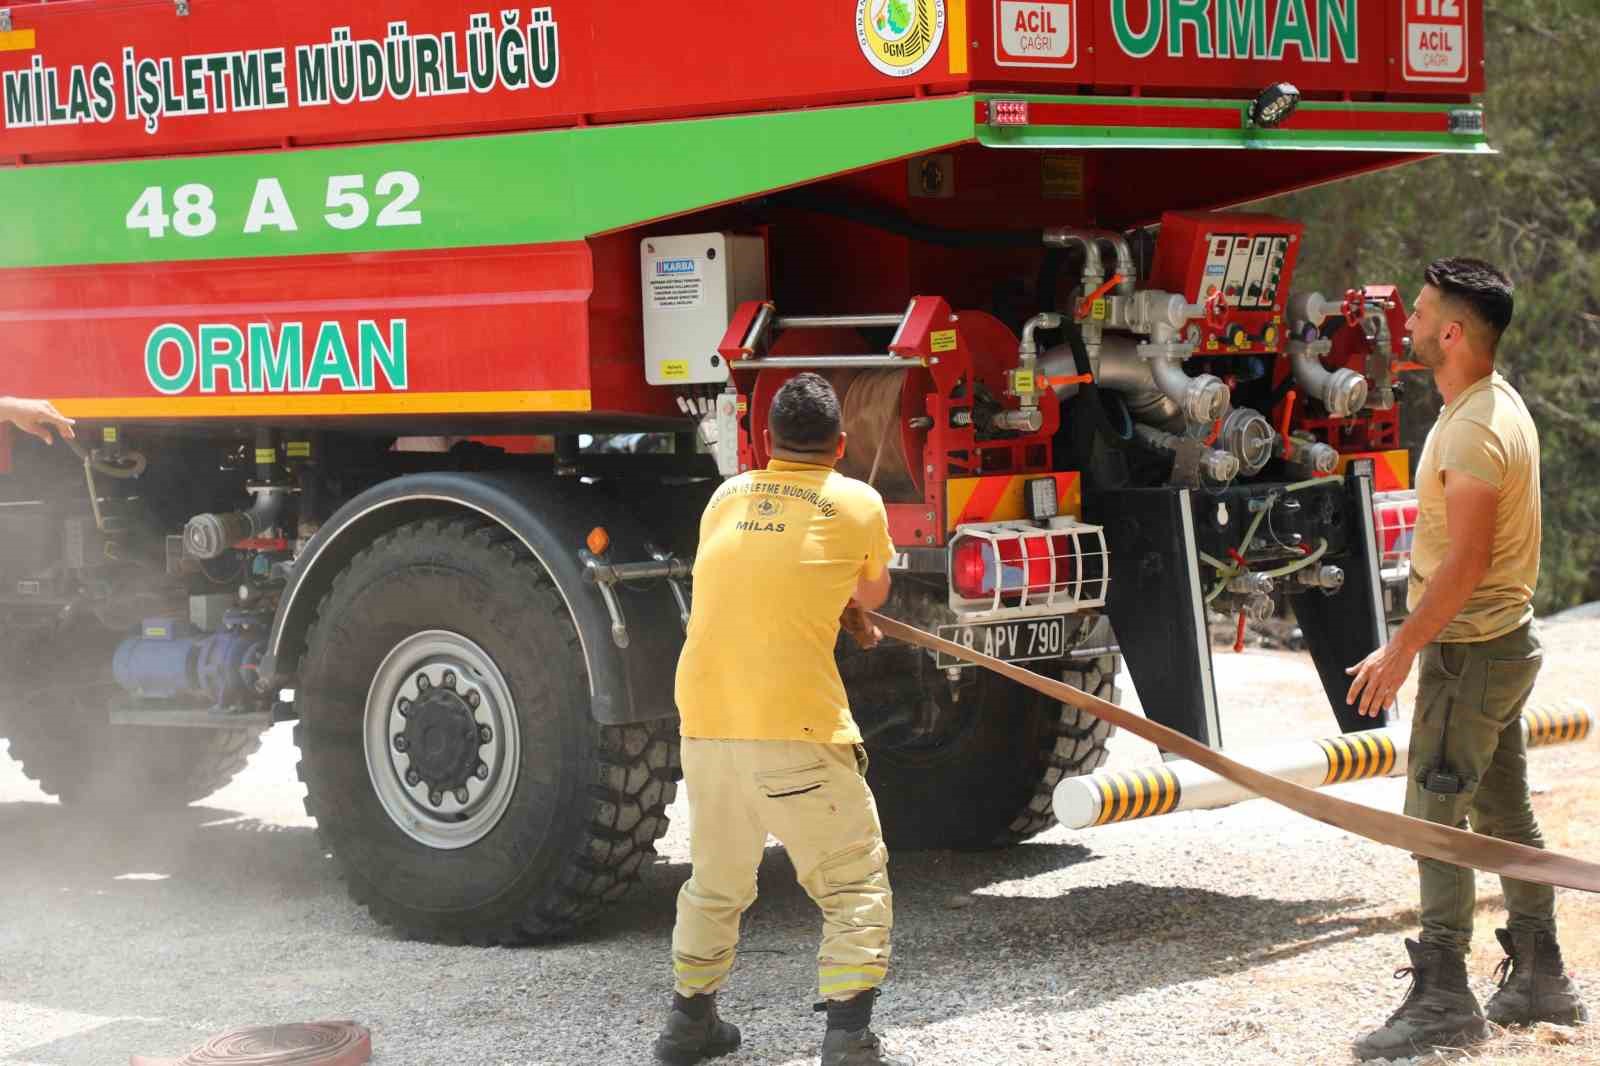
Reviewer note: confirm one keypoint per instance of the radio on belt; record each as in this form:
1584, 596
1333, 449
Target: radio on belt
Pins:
690, 285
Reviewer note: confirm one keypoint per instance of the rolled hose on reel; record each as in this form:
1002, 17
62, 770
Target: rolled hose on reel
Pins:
874, 419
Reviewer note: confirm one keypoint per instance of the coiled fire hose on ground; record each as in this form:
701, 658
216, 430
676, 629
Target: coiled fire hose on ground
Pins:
1429, 839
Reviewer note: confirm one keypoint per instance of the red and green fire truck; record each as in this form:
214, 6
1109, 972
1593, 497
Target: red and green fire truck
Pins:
406, 343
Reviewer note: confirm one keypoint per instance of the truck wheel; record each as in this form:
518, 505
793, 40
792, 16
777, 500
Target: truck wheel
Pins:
60, 731
988, 777
448, 751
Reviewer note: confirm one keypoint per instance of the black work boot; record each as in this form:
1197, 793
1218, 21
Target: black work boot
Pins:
850, 1040
1534, 986
694, 1032
1439, 1011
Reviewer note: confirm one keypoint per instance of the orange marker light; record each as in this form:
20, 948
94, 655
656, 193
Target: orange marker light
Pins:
598, 540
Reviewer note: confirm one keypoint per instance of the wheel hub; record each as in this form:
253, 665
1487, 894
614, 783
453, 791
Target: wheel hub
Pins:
442, 739
443, 743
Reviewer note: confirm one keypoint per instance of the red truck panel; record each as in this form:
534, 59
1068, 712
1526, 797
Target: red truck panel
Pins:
475, 331
107, 78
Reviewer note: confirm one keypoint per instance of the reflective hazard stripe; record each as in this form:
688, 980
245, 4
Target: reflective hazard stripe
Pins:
1129, 794
832, 980
701, 975
1356, 757
1003, 497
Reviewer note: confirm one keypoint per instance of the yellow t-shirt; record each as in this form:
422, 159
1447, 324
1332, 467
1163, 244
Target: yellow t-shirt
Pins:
780, 553
1485, 433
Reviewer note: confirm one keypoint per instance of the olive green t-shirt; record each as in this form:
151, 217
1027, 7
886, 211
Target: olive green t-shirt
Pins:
1485, 433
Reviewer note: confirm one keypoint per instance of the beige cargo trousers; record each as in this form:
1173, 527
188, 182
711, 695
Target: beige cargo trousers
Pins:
814, 798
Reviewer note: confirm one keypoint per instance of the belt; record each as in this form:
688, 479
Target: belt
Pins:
1428, 839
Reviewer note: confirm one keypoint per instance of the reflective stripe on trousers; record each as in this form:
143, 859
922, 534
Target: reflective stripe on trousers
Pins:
814, 799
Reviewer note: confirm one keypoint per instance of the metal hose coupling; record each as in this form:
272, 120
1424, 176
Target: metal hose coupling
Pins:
1313, 457
1203, 398
1248, 435
1217, 465
1343, 392
1328, 578
208, 536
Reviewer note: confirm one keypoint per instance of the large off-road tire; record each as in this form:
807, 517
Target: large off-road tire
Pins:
992, 783
57, 720
560, 813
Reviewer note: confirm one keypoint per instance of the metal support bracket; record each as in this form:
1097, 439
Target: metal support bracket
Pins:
182, 7
5, 20
608, 575
676, 584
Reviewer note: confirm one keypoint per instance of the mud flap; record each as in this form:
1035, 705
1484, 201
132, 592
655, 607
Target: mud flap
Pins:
1344, 628
1157, 605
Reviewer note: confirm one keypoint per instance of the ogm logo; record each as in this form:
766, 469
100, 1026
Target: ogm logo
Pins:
899, 37
1036, 34
1436, 40
767, 507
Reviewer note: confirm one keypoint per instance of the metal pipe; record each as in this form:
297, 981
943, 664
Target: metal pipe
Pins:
825, 321
827, 362
1343, 392
1158, 391
1090, 241
1125, 264
1203, 398
1115, 364
1311, 308
208, 536
1217, 465
758, 327
1093, 267
1029, 348
1124, 795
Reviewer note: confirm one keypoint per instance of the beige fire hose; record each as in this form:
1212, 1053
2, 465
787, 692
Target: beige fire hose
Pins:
1444, 843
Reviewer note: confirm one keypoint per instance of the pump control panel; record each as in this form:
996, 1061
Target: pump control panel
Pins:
1238, 266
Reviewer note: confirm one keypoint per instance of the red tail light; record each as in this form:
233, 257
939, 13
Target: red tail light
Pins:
1007, 566
971, 568
1038, 563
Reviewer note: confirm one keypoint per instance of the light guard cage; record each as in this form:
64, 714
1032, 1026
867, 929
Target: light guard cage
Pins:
1060, 568
1394, 518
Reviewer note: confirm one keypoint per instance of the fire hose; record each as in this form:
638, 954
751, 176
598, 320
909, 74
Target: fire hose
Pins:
1429, 839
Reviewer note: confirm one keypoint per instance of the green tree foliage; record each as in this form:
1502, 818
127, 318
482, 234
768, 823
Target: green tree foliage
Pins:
1532, 210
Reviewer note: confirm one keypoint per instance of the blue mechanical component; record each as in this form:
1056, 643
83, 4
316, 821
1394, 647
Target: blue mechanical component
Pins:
171, 660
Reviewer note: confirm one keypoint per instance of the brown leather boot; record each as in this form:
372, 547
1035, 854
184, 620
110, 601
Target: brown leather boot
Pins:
1439, 1011
1534, 986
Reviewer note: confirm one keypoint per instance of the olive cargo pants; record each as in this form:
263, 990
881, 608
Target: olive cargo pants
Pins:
814, 799
1468, 761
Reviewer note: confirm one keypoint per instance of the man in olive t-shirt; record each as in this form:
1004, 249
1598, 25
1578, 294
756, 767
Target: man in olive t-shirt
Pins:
1474, 564
769, 744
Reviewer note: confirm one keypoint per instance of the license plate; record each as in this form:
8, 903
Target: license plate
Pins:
1021, 641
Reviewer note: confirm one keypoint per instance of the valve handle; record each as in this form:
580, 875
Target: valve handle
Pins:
1355, 301
1216, 306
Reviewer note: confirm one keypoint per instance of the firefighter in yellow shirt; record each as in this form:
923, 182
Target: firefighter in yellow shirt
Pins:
769, 744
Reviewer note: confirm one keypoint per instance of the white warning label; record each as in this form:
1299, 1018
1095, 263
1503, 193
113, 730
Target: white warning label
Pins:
1035, 34
1436, 40
675, 284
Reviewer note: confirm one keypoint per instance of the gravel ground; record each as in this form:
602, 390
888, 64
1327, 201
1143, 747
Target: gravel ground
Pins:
1242, 936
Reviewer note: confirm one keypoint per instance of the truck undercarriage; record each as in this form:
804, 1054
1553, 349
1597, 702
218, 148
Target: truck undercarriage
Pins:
406, 437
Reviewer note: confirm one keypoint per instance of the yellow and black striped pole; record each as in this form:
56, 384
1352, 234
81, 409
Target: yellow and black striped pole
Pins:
1109, 796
